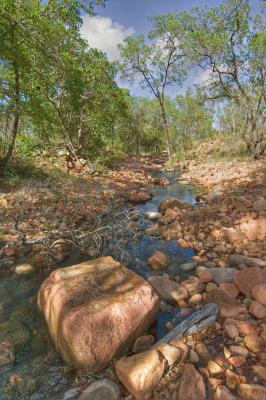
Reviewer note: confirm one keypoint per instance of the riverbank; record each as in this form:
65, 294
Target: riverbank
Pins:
225, 229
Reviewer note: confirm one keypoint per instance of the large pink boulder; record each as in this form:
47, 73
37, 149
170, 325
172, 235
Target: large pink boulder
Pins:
95, 310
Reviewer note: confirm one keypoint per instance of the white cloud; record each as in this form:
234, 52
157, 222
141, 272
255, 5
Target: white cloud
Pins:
104, 34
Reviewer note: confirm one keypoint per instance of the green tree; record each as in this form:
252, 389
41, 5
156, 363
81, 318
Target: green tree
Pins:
157, 63
228, 43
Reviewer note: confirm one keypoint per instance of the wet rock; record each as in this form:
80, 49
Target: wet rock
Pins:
223, 275
230, 288
159, 260
254, 228
259, 293
140, 373
7, 353
168, 290
24, 269
251, 391
139, 197
183, 243
246, 279
254, 343
257, 309
172, 203
193, 285
96, 300
103, 389
222, 393
259, 205
188, 266
143, 343
61, 249
228, 306
152, 215
240, 260
192, 385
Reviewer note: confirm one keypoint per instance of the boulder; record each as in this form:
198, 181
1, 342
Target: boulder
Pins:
192, 385
223, 275
228, 306
259, 293
168, 290
103, 389
95, 310
172, 203
246, 279
159, 260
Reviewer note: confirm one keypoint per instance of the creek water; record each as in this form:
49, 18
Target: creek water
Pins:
38, 372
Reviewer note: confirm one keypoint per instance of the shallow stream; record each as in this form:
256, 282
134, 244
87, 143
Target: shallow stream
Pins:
38, 372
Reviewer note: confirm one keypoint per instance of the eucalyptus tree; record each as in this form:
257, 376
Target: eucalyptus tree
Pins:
157, 63
227, 43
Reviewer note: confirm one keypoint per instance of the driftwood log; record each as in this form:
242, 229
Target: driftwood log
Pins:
194, 323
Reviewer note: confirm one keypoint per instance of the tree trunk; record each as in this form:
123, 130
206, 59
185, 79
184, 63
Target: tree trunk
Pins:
166, 129
7, 158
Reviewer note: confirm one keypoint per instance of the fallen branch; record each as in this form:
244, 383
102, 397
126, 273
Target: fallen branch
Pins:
196, 322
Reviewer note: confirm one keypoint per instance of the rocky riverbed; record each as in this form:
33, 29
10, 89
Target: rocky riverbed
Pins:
194, 249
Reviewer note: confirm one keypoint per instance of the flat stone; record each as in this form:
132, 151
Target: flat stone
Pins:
254, 343
259, 293
257, 309
248, 278
230, 288
228, 306
214, 368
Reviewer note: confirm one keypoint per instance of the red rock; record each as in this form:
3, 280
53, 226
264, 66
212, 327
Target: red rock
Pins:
139, 197
246, 279
171, 214
192, 385
237, 361
259, 293
228, 306
168, 290
193, 285
251, 392
259, 205
222, 393
254, 228
204, 274
230, 288
232, 235
254, 343
257, 309
244, 327
231, 330
95, 310
159, 260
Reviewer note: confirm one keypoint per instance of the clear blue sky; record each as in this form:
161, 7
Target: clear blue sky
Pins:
121, 18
